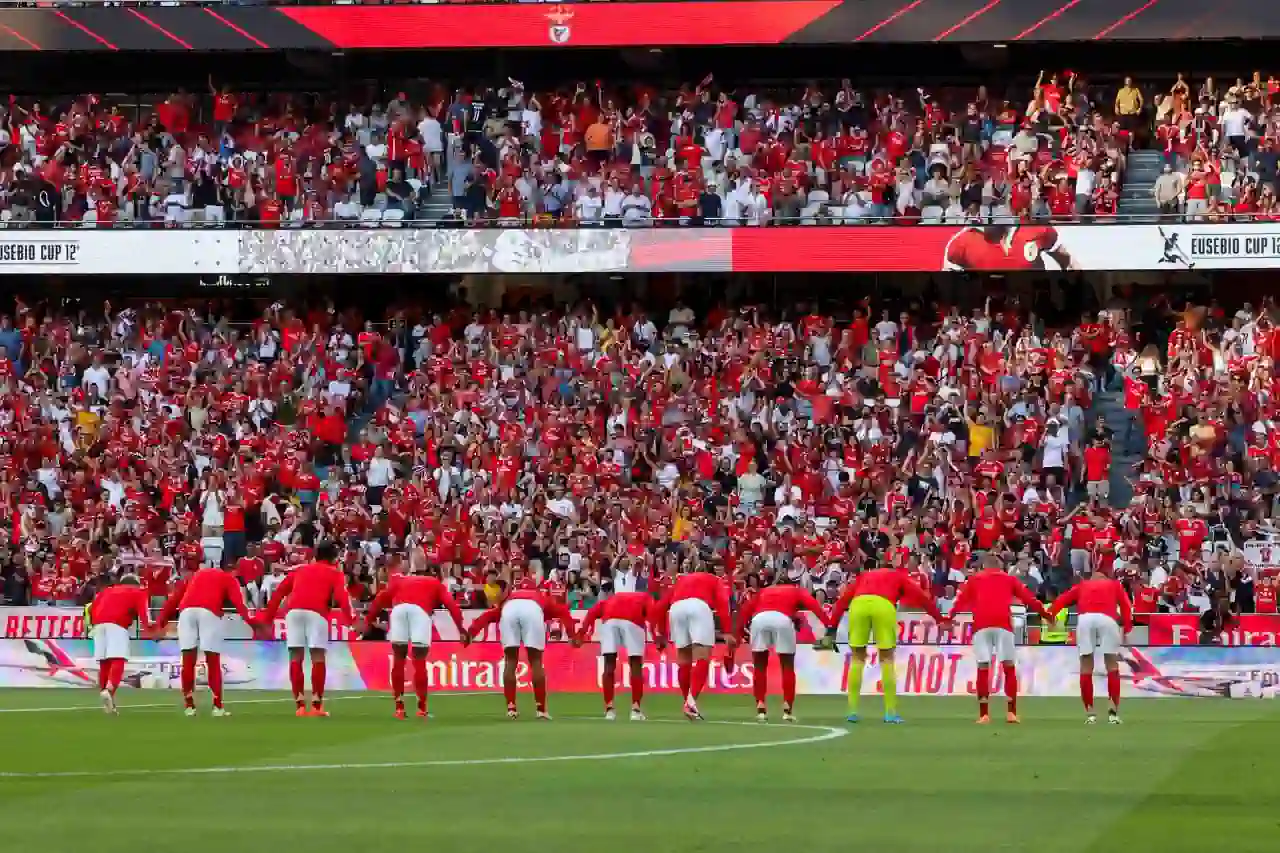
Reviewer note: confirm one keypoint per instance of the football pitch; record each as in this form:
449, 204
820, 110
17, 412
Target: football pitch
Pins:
1179, 775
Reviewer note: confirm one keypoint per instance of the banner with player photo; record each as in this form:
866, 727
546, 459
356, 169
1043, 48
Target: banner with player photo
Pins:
494, 250
452, 667
849, 248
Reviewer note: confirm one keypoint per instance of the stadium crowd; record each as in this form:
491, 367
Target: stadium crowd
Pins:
601, 153
601, 447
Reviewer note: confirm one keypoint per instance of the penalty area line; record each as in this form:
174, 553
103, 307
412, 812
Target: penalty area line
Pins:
823, 733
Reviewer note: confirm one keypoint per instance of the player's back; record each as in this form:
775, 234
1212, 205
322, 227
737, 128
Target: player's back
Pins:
700, 585
425, 591
118, 605
990, 595
1101, 595
786, 599
315, 586
206, 588
886, 583
629, 606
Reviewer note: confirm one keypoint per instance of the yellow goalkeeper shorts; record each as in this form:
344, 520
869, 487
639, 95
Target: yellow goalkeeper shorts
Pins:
873, 617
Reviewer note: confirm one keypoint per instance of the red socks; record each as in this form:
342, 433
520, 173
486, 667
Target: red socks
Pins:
299, 684
760, 687
189, 677
540, 692
1011, 687
1086, 691
984, 689
117, 675
637, 690
608, 687
213, 663
420, 681
509, 690
788, 688
104, 672
317, 681
684, 676
1113, 688
698, 680
397, 678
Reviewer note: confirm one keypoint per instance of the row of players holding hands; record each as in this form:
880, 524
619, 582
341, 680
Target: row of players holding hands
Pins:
686, 616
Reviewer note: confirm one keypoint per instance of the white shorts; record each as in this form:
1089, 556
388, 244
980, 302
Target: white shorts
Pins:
692, 623
306, 629
621, 635
522, 624
110, 641
200, 629
773, 630
410, 624
993, 643
1098, 632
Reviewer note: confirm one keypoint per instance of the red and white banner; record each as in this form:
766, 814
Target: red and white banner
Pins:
1183, 629
853, 247
42, 623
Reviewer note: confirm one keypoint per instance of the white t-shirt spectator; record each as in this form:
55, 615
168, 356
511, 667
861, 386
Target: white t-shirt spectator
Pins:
98, 377
1234, 121
1055, 450
588, 208
561, 507
636, 209
381, 472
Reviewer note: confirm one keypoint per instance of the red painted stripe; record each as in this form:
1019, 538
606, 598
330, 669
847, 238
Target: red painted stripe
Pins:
259, 42
158, 28
889, 20
82, 28
1046, 19
20, 37
967, 21
1126, 19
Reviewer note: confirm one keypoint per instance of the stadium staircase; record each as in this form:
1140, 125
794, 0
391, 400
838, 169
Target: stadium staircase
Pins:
1141, 172
1110, 404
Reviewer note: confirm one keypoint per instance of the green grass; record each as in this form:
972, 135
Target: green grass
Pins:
1180, 775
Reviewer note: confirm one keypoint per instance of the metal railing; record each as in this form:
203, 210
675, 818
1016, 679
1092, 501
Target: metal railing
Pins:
545, 222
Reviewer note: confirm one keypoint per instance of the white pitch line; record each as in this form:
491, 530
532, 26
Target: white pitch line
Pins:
825, 733
231, 703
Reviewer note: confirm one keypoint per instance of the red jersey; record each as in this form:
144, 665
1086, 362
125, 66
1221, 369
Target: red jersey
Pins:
989, 594
314, 587
1020, 248
121, 605
892, 584
1098, 595
636, 607
1264, 599
207, 589
787, 599
1191, 535
423, 590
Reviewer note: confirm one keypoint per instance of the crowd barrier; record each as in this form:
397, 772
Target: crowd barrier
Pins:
925, 670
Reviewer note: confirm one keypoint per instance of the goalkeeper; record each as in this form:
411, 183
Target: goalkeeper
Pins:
872, 602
